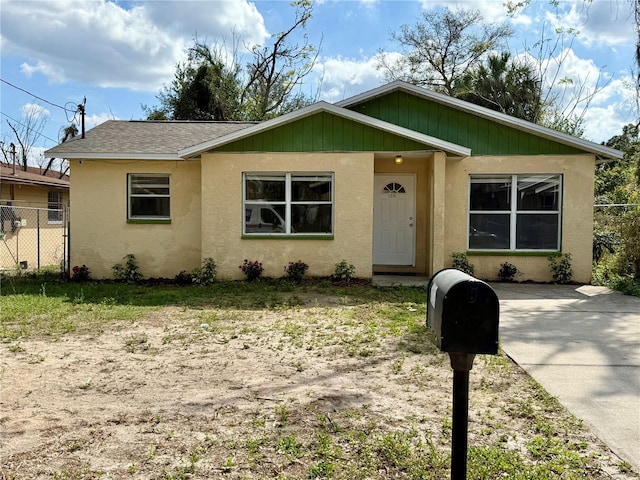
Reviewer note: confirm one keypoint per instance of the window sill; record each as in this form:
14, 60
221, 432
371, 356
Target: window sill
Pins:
513, 253
149, 221
287, 237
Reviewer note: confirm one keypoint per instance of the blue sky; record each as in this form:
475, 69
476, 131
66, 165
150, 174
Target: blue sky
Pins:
119, 54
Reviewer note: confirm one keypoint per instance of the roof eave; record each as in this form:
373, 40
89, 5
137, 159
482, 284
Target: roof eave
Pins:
115, 156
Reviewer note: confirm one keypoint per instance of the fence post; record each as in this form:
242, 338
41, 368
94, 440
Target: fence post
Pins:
38, 234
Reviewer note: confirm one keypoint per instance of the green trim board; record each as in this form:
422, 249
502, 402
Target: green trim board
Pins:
287, 237
148, 221
483, 136
322, 132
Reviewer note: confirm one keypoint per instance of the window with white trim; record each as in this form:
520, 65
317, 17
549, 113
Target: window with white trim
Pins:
149, 196
288, 204
54, 207
515, 212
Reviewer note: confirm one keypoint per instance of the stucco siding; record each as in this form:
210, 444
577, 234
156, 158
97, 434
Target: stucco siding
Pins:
100, 234
577, 212
223, 215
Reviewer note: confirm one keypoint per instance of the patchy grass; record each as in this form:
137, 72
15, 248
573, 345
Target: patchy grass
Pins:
262, 380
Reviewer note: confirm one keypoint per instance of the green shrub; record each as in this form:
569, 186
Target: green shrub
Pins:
508, 272
296, 270
252, 270
561, 268
344, 272
206, 274
129, 271
461, 262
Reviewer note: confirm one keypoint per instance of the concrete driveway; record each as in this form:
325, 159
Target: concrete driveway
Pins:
582, 344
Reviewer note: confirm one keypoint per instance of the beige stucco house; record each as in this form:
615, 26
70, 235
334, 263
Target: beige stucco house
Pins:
32, 218
393, 180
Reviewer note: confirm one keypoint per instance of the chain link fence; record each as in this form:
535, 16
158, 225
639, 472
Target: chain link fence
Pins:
33, 238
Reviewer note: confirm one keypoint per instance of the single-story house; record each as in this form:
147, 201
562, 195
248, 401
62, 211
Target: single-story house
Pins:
32, 217
395, 179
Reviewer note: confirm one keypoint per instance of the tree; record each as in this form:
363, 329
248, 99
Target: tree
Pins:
505, 85
203, 88
618, 183
206, 87
275, 71
25, 134
442, 47
66, 134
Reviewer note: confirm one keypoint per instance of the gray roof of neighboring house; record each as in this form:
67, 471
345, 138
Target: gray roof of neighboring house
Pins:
134, 139
32, 178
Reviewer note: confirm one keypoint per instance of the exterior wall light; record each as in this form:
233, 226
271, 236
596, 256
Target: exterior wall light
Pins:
399, 159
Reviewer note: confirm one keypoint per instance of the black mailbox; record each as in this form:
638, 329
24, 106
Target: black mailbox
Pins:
463, 313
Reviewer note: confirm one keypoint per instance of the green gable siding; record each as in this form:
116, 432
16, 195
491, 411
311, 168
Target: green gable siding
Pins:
483, 136
322, 132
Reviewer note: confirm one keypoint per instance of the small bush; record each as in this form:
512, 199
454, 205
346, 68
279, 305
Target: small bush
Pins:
129, 271
296, 270
461, 262
508, 272
184, 278
80, 274
251, 270
206, 274
344, 272
561, 268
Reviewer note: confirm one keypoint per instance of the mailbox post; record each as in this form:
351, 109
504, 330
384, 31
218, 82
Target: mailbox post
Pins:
463, 313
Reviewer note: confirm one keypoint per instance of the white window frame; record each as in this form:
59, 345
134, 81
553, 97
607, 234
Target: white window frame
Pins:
513, 212
130, 195
54, 211
288, 177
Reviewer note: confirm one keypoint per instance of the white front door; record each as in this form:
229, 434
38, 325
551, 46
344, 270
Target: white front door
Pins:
394, 208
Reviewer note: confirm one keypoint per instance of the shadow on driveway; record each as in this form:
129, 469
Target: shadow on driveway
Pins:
582, 344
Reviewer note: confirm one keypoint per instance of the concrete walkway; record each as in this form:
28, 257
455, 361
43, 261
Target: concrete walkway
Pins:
582, 344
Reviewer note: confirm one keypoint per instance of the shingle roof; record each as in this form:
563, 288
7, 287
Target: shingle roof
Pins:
30, 178
160, 140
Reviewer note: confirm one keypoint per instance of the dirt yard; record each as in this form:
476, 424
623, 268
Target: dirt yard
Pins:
321, 390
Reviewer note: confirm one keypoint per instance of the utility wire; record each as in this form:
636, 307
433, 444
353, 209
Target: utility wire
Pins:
29, 128
36, 96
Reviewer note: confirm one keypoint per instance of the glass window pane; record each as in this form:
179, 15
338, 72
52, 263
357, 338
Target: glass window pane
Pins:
490, 194
537, 231
261, 218
150, 207
538, 192
311, 218
489, 231
269, 189
316, 189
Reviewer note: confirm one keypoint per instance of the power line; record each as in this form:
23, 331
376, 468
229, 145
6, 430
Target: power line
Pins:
36, 96
29, 128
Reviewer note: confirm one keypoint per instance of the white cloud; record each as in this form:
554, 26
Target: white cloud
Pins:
101, 43
599, 23
35, 112
344, 77
91, 121
579, 87
491, 11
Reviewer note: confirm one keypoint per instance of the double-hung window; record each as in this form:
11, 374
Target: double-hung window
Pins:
288, 204
515, 212
149, 196
54, 207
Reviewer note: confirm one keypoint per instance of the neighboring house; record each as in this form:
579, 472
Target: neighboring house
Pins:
32, 218
393, 180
